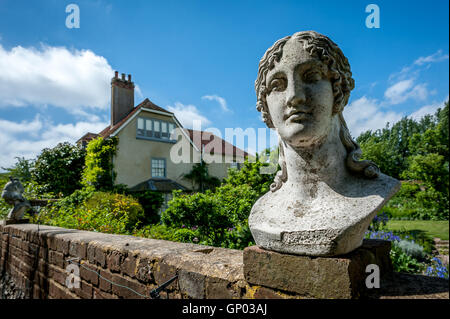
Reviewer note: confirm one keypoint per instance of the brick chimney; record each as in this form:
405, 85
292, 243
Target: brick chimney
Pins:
122, 97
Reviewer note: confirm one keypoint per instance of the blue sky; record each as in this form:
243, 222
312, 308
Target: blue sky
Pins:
200, 58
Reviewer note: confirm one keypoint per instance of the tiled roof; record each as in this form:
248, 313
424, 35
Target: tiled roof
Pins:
206, 137
107, 131
223, 146
87, 137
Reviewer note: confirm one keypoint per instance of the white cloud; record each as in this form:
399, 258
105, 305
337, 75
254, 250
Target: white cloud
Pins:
138, 91
428, 109
28, 138
366, 114
436, 57
404, 90
187, 114
71, 79
221, 100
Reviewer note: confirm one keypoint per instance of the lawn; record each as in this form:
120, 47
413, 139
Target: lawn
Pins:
430, 227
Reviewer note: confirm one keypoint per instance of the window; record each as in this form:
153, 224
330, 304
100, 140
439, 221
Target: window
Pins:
171, 129
141, 127
154, 129
148, 128
164, 133
158, 167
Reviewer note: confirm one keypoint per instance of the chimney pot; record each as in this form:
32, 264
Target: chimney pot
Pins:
116, 74
122, 98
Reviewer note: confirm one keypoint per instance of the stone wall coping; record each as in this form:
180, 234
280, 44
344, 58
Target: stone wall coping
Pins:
205, 260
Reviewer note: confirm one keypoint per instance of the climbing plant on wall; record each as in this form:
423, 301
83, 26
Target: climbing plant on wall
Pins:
98, 171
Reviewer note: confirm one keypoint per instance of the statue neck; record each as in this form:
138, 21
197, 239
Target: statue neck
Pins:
324, 163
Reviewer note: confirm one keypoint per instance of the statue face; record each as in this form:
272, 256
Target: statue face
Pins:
300, 98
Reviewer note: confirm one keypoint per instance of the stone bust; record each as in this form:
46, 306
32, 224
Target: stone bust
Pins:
323, 198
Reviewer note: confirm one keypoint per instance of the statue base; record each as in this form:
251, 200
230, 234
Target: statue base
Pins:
338, 277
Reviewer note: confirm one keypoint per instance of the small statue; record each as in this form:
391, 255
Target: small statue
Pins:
12, 194
323, 198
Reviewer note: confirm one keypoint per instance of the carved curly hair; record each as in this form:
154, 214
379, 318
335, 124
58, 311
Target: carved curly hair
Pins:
321, 47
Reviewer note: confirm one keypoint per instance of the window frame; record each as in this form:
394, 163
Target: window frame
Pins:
147, 134
164, 168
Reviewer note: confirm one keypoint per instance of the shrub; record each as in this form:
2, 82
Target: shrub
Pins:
412, 249
58, 170
219, 218
403, 262
95, 211
150, 201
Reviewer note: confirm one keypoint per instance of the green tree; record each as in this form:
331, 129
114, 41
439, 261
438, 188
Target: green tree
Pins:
58, 170
417, 151
21, 169
389, 147
201, 180
250, 174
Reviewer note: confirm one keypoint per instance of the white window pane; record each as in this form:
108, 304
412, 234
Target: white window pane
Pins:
140, 124
158, 168
148, 125
156, 126
164, 133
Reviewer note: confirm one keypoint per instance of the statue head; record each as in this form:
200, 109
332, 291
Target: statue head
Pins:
304, 82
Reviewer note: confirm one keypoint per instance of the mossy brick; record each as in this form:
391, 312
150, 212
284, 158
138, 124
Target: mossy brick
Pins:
218, 288
191, 284
163, 272
128, 266
144, 271
114, 260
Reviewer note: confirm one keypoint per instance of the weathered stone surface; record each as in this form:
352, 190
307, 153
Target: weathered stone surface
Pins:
318, 277
323, 198
192, 284
218, 272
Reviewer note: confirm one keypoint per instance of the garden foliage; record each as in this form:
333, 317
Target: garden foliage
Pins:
58, 170
418, 153
219, 217
87, 209
98, 170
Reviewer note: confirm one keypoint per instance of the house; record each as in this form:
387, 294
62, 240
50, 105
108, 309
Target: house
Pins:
150, 139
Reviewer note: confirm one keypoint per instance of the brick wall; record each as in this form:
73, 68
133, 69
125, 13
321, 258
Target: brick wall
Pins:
33, 265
